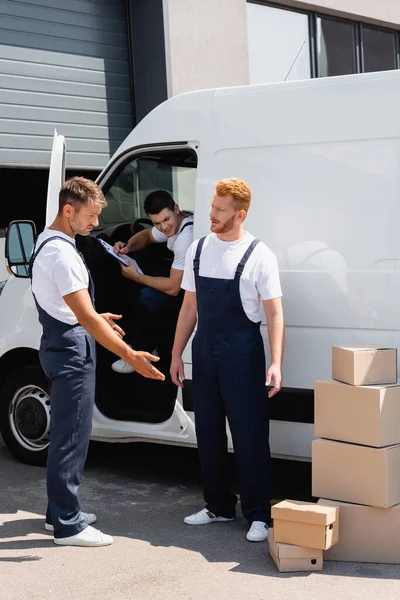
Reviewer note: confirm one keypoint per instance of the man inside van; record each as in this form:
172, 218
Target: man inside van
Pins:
229, 277
161, 297
63, 291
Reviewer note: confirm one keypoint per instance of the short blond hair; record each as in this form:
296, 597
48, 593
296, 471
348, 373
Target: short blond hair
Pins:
78, 191
238, 189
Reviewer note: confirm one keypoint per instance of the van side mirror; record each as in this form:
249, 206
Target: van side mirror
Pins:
21, 236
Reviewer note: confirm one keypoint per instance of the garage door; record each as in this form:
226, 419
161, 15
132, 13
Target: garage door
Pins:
65, 65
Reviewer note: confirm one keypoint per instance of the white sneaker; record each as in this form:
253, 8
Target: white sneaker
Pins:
203, 517
258, 532
89, 518
124, 368
89, 537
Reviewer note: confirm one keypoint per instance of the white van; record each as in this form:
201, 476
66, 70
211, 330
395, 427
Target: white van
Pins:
322, 158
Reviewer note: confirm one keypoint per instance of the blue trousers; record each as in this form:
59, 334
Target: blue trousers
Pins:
68, 358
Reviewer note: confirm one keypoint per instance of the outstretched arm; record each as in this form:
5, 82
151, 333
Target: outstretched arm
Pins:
108, 334
169, 285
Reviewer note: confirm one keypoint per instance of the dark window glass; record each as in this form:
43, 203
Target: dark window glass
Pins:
378, 49
335, 47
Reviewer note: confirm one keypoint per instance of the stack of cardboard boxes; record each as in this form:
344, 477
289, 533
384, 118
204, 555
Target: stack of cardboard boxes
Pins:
302, 530
356, 458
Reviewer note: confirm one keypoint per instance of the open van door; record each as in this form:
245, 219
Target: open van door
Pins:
56, 176
24, 394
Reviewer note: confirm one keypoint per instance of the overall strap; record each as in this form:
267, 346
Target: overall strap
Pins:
190, 224
245, 258
196, 261
36, 252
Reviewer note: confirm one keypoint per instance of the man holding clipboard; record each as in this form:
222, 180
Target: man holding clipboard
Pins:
160, 298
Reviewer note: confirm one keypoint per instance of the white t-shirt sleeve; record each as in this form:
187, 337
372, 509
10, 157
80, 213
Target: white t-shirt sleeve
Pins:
181, 246
188, 282
64, 268
158, 236
268, 281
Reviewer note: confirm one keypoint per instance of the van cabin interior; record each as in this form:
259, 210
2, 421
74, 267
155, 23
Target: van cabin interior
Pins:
131, 397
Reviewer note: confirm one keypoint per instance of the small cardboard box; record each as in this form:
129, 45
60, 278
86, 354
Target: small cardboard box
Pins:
364, 366
367, 534
294, 558
305, 524
368, 415
358, 474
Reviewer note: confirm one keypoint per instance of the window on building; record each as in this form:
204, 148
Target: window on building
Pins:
279, 48
378, 49
336, 49
287, 44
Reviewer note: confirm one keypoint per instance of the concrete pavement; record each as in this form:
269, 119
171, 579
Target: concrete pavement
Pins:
141, 494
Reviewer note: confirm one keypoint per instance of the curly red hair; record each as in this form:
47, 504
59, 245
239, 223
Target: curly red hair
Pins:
238, 189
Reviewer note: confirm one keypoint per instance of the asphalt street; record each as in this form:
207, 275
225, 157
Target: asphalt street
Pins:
141, 494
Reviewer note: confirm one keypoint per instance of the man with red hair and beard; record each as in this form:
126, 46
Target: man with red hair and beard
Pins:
229, 276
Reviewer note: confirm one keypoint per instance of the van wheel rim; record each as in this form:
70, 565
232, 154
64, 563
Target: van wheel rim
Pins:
29, 418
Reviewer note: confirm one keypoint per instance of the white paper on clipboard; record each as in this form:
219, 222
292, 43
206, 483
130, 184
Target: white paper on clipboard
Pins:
125, 260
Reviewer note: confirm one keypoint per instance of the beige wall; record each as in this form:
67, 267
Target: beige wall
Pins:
206, 40
383, 12
206, 44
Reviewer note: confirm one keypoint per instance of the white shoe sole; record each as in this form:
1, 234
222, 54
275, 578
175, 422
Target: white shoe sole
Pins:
215, 520
81, 543
263, 539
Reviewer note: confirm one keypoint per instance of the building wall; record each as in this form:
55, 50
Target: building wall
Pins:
206, 44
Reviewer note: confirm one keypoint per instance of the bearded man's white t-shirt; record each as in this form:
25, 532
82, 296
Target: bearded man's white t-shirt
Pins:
259, 280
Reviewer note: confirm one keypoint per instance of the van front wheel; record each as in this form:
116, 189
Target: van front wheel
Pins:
25, 415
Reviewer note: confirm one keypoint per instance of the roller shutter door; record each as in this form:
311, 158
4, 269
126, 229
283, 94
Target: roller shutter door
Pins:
63, 64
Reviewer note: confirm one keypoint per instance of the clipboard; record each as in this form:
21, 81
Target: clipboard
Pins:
110, 250
125, 260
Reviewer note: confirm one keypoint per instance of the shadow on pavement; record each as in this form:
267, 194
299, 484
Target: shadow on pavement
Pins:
143, 492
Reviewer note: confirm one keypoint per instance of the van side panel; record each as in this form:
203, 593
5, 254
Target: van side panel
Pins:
322, 162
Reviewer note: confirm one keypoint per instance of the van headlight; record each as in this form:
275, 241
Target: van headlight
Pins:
2, 284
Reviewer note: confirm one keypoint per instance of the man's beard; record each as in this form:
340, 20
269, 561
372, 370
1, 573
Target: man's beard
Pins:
225, 227
76, 229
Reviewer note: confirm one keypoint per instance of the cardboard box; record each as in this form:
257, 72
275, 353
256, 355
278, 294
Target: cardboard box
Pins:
368, 415
294, 558
358, 474
367, 534
364, 366
305, 524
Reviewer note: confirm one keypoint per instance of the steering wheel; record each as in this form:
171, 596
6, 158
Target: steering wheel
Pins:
138, 225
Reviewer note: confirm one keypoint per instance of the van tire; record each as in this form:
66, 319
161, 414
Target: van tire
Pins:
25, 415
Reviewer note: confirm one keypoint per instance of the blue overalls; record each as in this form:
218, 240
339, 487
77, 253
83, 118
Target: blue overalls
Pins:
229, 374
68, 357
